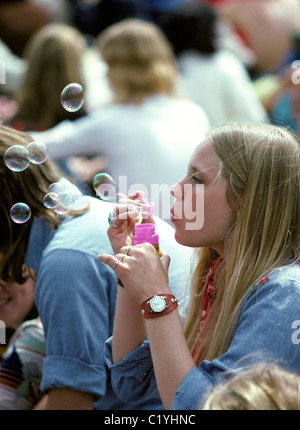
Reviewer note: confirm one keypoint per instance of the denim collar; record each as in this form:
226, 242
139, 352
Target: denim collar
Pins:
40, 235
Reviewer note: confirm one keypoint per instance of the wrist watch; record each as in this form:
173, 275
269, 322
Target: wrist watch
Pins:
159, 304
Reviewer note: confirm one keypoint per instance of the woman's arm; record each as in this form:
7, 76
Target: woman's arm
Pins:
171, 357
129, 326
144, 274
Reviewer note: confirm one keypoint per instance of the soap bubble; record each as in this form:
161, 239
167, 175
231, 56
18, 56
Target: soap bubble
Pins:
37, 152
72, 97
105, 187
56, 187
16, 158
65, 202
20, 213
51, 200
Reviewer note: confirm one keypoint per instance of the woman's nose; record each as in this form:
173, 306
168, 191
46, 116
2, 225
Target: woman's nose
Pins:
176, 191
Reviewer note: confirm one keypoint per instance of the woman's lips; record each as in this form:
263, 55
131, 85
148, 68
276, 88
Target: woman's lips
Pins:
173, 217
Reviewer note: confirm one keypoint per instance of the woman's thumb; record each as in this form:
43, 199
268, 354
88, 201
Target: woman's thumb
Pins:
165, 259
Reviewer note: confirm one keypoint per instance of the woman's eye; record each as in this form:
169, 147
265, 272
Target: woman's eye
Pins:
197, 178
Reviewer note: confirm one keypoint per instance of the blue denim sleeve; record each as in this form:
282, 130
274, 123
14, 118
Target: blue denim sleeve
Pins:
75, 296
263, 332
133, 378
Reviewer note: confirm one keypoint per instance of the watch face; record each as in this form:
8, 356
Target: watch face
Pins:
158, 304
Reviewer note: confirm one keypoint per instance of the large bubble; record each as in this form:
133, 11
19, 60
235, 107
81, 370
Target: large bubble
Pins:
105, 187
37, 152
20, 213
51, 200
16, 158
65, 202
72, 97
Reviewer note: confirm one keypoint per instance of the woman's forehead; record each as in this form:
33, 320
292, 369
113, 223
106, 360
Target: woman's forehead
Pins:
204, 157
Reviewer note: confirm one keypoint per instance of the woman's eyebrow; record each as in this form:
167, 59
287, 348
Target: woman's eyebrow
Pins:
197, 169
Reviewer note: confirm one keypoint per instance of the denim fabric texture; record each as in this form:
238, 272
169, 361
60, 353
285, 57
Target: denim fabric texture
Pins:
265, 332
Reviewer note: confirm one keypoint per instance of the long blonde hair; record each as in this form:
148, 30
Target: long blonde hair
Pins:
140, 60
261, 164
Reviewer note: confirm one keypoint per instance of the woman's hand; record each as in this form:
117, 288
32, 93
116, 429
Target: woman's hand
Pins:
141, 270
125, 215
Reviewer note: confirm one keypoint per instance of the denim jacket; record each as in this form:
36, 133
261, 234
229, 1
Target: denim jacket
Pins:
267, 329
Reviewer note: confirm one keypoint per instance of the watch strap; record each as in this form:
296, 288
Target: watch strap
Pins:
171, 304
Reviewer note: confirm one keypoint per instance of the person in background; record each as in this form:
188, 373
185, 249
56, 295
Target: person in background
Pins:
256, 23
54, 57
22, 361
210, 75
263, 387
19, 20
146, 133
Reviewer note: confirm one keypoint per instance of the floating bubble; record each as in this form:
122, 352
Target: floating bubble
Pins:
51, 200
37, 152
65, 202
16, 158
20, 213
105, 187
56, 187
72, 97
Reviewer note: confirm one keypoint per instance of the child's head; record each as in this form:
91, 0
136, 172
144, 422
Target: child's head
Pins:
28, 186
263, 387
139, 58
17, 300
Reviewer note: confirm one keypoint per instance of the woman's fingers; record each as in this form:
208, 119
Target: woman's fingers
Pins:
111, 260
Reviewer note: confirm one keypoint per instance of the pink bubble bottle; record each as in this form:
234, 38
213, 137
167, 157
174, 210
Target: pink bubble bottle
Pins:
146, 233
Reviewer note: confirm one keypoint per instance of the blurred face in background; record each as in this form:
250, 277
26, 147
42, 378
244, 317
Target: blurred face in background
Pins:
16, 301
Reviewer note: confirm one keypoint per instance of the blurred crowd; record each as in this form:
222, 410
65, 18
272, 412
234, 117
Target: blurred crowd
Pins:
234, 59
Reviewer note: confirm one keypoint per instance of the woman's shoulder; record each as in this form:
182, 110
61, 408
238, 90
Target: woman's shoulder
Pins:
279, 281
288, 272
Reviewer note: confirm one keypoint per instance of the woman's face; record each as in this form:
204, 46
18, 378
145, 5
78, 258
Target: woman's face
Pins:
16, 301
201, 212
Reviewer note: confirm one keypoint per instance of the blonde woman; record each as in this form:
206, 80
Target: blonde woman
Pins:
54, 56
245, 295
